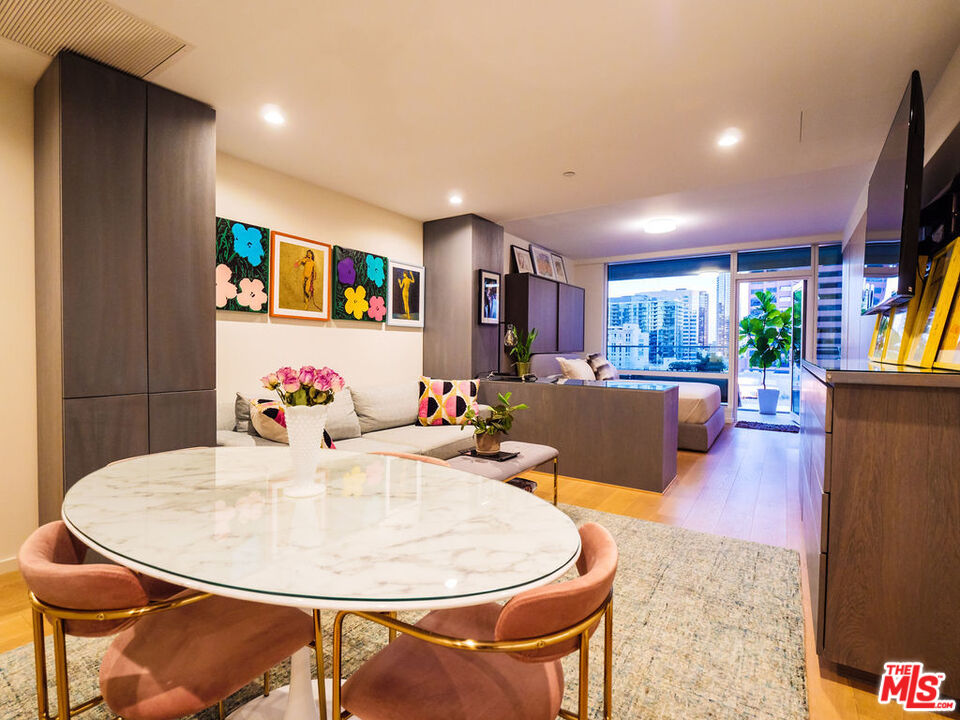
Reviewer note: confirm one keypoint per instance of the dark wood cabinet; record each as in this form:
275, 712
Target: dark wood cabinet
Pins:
124, 182
181, 219
554, 309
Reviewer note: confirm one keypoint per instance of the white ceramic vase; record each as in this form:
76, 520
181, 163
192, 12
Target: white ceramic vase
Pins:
305, 425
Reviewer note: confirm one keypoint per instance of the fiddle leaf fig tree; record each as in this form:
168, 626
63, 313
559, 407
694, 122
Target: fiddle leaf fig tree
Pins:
765, 334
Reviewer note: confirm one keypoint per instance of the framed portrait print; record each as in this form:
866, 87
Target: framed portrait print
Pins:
935, 305
879, 340
559, 270
489, 298
522, 259
948, 355
405, 294
542, 261
300, 284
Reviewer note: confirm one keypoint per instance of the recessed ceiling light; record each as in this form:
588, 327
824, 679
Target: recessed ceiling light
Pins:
658, 226
273, 115
729, 137
455, 199
569, 173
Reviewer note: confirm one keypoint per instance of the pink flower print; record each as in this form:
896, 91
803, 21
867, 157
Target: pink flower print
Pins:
251, 294
378, 308
226, 290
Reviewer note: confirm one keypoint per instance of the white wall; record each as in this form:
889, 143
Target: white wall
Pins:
18, 353
249, 345
941, 108
511, 240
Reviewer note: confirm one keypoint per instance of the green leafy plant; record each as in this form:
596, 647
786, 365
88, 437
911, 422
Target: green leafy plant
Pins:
766, 334
500, 419
520, 350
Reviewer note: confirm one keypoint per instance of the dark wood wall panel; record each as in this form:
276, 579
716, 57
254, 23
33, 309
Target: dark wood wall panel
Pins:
181, 168
449, 318
183, 419
570, 301
103, 136
487, 255
97, 431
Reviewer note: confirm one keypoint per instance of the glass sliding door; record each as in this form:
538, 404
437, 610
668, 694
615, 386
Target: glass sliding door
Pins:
797, 344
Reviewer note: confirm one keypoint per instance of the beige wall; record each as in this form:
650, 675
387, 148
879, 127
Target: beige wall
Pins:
18, 355
941, 109
250, 345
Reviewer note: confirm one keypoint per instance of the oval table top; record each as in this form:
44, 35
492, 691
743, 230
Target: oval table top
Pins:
377, 533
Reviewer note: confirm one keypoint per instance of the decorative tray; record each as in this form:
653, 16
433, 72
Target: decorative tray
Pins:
498, 456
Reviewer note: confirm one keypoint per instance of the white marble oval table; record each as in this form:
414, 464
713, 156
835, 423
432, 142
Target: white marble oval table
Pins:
373, 533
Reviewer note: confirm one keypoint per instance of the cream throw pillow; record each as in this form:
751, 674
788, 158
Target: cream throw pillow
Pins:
576, 369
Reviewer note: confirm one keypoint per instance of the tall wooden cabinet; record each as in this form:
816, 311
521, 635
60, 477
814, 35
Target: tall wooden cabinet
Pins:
126, 355
555, 309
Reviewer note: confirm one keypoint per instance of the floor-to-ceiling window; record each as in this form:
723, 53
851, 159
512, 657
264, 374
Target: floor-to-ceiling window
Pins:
829, 302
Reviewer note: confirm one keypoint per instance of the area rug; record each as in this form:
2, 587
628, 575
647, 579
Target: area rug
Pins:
752, 425
704, 627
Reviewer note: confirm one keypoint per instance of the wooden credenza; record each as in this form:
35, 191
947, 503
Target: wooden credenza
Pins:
880, 501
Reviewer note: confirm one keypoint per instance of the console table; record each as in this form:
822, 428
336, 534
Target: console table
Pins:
621, 433
880, 500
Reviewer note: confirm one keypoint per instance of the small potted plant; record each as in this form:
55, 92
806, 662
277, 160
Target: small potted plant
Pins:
765, 334
518, 345
488, 432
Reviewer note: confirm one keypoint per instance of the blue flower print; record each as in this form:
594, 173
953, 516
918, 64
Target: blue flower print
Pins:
375, 270
247, 243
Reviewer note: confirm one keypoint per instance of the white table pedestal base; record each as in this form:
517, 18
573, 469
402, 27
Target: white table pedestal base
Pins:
297, 701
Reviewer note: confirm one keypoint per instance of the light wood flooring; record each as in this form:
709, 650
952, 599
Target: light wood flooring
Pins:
745, 487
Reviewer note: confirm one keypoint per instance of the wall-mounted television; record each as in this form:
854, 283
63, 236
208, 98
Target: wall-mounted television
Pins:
893, 205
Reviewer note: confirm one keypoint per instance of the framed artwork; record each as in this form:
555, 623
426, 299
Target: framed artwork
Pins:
489, 298
359, 285
935, 305
542, 261
405, 295
879, 340
522, 259
559, 270
902, 320
299, 278
243, 266
948, 356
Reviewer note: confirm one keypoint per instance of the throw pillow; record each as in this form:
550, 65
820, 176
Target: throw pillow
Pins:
602, 368
445, 402
241, 412
576, 369
268, 419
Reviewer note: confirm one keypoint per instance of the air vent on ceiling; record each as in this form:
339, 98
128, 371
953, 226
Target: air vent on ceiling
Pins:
93, 28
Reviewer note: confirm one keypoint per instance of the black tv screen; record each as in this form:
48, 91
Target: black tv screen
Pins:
893, 206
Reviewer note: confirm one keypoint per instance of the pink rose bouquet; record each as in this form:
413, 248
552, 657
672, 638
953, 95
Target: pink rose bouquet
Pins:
307, 386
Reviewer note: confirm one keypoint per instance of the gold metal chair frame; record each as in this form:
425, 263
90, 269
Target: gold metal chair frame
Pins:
56, 617
581, 629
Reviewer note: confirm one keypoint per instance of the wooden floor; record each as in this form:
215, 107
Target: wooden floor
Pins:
745, 487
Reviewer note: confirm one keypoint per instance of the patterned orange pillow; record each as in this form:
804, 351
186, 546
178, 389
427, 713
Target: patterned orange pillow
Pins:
445, 402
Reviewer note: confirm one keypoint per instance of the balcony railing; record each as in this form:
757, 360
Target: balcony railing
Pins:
678, 358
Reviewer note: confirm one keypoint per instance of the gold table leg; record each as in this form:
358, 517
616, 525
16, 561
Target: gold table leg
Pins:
555, 479
321, 671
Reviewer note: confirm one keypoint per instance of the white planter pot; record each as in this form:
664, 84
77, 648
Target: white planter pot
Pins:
305, 426
768, 400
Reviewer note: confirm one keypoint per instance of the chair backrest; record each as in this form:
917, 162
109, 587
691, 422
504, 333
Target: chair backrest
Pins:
51, 563
552, 608
411, 456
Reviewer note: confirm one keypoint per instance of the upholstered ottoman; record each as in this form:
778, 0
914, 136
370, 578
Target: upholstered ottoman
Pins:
531, 456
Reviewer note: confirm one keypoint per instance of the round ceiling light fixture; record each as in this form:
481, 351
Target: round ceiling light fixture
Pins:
455, 199
729, 137
659, 226
273, 115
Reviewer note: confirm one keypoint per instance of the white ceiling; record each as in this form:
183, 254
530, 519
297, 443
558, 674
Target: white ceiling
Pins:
400, 103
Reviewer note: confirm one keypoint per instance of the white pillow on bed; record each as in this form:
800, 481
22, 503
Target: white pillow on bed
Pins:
576, 369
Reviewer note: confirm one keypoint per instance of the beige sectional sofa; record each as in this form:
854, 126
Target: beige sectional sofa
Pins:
362, 419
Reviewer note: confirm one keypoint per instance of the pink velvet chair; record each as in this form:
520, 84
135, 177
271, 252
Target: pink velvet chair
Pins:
411, 456
488, 661
173, 655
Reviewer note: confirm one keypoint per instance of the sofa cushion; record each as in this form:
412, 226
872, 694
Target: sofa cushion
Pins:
229, 438
386, 406
241, 409
269, 420
364, 444
438, 441
446, 402
576, 369
342, 420
601, 367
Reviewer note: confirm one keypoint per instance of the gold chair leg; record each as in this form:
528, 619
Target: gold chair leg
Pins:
220, 710
266, 684
584, 674
391, 633
321, 670
60, 665
40, 658
555, 479
337, 653
608, 661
